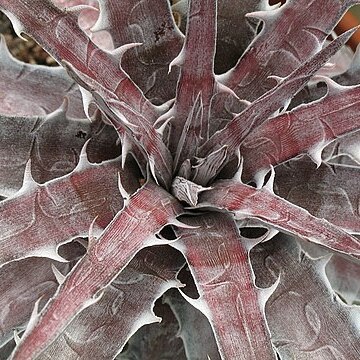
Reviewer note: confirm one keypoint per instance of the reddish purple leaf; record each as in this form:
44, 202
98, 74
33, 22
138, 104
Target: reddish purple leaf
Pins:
262, 108
231, 14
290, 35
219, 263
41, 216
133, 228
138, 128
59, 33
183, 136
125, 306
282, 138
196, 83
262, 204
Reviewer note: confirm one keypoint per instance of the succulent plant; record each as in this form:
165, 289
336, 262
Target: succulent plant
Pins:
191, 161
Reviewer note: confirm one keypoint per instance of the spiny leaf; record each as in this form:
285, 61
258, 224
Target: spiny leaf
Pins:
125, 306
59, 33
195, 330
305, 299
133, 228
290, 35
344, 150
164, 334
196, 82
282, 137
22, 283
231, 14
219, 263
262, 204
329, 187
262, 108
41, 216
140, 130
152, 25
51, 155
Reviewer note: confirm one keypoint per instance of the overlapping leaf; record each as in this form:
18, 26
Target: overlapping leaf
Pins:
109, 294
307, 320
59, 33
247, 202
282, 138
125, 306
33, 138
41, 216
220, 266
328, 187
133, 228
151, 25
291, 34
